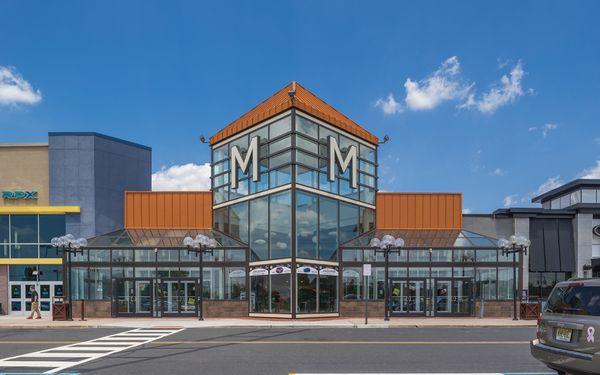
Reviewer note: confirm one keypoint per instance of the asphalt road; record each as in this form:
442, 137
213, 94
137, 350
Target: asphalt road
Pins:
294, 350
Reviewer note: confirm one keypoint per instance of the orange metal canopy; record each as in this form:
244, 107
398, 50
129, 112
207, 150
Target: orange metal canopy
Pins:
293, 96
168, 210
432, 211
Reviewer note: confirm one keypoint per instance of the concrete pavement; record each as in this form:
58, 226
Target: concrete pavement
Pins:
9, 321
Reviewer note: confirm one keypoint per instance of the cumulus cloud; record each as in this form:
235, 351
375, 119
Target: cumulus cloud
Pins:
505, 92
510, 200
182, 177
389, 106
16, 90
550, 184
442, 85
544, 129
466, 210
592, 172
499, 172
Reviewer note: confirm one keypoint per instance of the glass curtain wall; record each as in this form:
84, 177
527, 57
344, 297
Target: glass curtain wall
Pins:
28, 236
298, 225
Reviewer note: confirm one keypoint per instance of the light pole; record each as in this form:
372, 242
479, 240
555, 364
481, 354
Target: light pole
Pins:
514, 245
69, 245
199, 245
385, 245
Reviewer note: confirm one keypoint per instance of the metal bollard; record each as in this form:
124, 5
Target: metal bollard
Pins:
82, 311
481, 309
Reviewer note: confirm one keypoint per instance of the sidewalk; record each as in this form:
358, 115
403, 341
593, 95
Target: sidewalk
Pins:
21, 322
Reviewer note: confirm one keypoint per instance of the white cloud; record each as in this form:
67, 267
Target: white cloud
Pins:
550, 184
506, 92
597, 140
182, 177
466, 211
592, 172
442, 85
510, 200
15, 90
499, 172
545, 129
389, 105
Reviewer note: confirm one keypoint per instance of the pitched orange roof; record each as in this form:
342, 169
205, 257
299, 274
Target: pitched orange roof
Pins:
302, 99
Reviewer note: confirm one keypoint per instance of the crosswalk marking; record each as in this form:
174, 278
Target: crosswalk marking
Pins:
86, 351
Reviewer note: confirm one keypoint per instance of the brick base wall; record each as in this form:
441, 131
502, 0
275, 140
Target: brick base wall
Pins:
93, 309
495, 309
225, 309
356, 309
4, 289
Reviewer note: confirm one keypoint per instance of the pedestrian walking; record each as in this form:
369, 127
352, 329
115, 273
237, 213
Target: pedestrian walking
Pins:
35, 303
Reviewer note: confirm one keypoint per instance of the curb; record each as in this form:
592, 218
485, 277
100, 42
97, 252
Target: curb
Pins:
271, 326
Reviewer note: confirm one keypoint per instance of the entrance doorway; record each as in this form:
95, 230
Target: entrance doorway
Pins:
178, 297
20, 296
431, 296
133, 297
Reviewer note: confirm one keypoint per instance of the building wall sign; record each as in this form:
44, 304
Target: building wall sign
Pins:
236, 161
20, 195
596, 230
243, 163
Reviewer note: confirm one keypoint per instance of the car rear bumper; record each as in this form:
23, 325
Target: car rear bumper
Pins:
565, 360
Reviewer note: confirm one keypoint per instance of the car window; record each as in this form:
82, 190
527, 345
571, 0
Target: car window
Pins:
575, 299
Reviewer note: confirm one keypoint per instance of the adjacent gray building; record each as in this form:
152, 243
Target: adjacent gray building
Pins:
93, 170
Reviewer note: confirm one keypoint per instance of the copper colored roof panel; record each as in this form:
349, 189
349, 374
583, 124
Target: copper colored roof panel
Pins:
303, 100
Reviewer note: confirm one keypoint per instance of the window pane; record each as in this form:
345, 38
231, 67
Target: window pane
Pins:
306, 159
221, 153
281, 176
352, 282
306, 226
213, 283
366, 167
259, 228
307, 127
328, 229
24, 229
588, 196
221, 167
50, 273
505, 283
221, 195
367, 153
367, 219
99, 255
307, 145
4, 230
79, 278
122, 256
238, 221
280, 293
235, 283
486, 283
576, 197
241, 144
51, 226
307, 177
168, 255
122, 272
259, 294
24, 251
464, 255
326, 185
367, 180
347, 191
441, 256
418, 255
348, 222
221, 220
327, 294
281, 225
307, 293
324, 133
281, 144
280, 127
262, 133
21, 273
144, 256
99, 283
487, 255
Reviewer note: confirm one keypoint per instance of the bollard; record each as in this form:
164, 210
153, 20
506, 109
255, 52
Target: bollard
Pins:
481, 309
82, 311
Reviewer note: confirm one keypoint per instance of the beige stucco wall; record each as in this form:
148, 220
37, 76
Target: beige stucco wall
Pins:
24, 167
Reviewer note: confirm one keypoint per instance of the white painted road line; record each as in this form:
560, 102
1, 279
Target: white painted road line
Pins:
100, 347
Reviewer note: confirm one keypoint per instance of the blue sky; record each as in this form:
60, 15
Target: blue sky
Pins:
162, 73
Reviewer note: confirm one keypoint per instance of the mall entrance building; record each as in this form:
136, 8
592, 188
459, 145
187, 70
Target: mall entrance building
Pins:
293, 207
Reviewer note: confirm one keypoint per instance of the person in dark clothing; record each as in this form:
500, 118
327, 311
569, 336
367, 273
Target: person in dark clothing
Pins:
35, 303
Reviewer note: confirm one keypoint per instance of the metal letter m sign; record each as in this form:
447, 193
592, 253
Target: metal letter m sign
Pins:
237, 160
335, 158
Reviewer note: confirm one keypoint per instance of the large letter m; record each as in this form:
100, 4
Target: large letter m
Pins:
243, 163
336, 158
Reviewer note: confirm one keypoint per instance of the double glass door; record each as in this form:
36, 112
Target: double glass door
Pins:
431, 296
178, 296
453, 296
133, 296
20, 295
408, 296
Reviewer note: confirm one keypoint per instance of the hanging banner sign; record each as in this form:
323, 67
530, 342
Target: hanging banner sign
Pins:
329, 272
259, 272
307, 270
351, 273
280, 270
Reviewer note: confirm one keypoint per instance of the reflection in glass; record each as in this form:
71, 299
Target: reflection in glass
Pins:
328, 231
259, 228
281, 225
306, 225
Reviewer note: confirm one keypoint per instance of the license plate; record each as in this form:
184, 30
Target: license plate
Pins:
564, 334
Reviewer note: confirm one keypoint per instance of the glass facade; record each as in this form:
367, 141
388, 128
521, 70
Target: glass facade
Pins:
291, 215
28, 236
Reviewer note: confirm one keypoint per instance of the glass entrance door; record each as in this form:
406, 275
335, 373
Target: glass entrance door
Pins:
20, 296
132, 296
179, 296
407, 297
453, 296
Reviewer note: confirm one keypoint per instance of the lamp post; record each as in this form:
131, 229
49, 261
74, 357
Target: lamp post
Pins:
199, 245
514, 245
69, 245
385, 245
